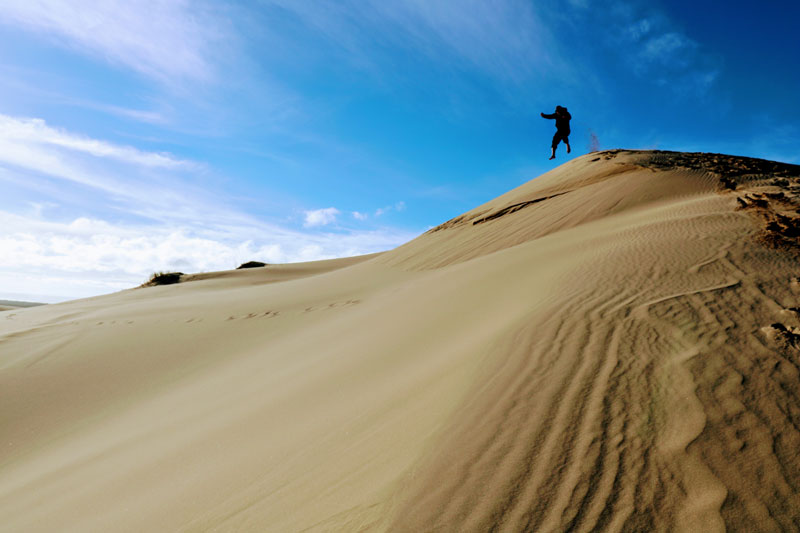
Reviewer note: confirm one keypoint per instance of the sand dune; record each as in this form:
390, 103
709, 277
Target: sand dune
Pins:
612, 346
8, 305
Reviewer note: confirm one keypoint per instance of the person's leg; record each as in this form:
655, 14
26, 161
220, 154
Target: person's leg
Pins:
566, 141
556, 138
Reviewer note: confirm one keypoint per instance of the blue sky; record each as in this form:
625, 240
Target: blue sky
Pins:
138, 136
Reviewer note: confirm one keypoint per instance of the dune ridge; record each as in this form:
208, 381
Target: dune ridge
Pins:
612, 346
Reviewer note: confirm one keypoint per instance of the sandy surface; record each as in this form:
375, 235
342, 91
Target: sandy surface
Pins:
613, 346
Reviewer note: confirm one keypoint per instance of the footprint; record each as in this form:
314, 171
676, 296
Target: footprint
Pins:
344, 304
265, 314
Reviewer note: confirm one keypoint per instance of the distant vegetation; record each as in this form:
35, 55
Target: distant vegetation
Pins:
163, 278
251, 264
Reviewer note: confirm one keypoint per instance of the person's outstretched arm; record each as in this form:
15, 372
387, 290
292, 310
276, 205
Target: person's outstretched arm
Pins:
548, 116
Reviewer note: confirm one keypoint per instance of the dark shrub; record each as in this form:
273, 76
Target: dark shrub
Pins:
251, 264
163, 278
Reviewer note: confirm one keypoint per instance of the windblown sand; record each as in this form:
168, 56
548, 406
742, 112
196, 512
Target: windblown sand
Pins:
613, 346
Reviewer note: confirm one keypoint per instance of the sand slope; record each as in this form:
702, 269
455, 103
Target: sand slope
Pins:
612, 346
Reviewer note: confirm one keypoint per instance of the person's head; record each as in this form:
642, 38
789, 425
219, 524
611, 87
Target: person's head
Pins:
560, 109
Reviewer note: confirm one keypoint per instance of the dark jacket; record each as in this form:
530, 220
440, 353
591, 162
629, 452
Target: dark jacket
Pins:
562, 119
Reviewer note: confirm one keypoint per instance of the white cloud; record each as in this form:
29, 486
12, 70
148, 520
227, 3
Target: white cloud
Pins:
156, 185
320, 217
31, 156
35, 131
163, 40
360, 216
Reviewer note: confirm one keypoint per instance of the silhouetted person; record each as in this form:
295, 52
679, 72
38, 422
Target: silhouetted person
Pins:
562, 117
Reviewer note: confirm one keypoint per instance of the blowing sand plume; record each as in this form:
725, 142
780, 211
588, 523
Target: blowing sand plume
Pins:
612, 346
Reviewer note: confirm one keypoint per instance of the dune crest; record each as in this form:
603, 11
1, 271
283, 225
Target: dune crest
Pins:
612, 346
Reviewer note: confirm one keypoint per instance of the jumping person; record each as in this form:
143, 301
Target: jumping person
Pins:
562, 117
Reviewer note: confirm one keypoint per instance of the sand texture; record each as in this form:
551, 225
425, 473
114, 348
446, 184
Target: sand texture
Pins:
612, 346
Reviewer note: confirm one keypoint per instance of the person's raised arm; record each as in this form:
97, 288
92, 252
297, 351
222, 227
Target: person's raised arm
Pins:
548, 116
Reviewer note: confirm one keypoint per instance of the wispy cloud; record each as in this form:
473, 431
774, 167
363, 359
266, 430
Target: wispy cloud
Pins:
35, 131
636, 30
139, 115
506, 39
656, 49
162, 40
399, 206
151, 184
661, 49
580, 4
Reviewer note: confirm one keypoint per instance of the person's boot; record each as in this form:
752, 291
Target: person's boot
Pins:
553, 155
568, 148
